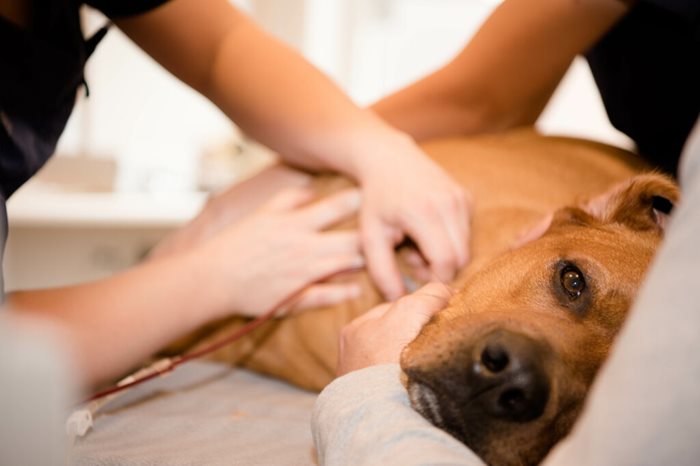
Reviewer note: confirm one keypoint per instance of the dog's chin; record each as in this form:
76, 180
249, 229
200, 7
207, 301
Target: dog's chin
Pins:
424, 400
436, 410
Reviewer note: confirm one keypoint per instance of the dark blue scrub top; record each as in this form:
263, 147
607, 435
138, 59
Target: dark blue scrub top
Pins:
41, 70
647, 69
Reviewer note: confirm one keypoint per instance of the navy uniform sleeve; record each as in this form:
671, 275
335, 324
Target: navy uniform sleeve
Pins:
120, 8
688, 9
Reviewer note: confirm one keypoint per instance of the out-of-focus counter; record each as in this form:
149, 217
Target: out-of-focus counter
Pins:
59, 237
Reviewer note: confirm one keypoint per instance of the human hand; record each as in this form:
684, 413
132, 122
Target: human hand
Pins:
379, 335
258, 261
404, 193
228, 207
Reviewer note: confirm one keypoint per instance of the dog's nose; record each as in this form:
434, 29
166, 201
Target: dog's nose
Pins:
508, 378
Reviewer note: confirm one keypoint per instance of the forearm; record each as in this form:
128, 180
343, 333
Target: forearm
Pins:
265, 87
364, 418
116, 323
506, 74
280, 99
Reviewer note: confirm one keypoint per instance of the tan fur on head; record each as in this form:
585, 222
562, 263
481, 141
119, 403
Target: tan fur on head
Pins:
644, 202
521, 292
641, 202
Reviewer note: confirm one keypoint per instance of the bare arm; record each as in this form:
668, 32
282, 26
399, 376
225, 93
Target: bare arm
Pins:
506, 74
116, 323
268, 89
281, 100
247, 268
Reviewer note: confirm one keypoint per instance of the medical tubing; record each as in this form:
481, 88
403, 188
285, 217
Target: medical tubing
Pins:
154, 371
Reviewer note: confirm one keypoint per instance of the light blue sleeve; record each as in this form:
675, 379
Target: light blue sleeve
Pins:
364, 419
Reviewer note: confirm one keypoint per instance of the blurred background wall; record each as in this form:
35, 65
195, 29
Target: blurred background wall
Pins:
149, 121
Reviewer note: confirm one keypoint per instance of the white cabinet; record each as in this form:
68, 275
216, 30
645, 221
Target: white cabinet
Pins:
59, 237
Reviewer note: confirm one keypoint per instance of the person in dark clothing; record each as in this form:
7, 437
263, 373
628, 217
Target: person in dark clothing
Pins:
277, 98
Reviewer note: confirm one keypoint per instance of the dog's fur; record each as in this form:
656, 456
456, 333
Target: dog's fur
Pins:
515, 179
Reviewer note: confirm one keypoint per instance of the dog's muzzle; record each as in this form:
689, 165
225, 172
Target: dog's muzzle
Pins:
501, 377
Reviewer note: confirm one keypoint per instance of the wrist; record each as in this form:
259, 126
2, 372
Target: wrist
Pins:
370, 149
211, 299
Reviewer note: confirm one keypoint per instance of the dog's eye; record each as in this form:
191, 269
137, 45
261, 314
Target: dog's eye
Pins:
572, 281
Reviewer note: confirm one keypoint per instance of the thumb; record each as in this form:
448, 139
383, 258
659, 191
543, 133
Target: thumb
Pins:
419, 307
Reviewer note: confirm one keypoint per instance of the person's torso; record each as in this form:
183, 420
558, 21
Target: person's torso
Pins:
42, 65
647, 69
42, 57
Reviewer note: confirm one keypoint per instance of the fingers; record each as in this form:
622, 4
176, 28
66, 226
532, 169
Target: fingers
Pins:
331, 265
464, 216
417, 263
336, 242
454, 219
380, 335
441, 231
378, 244
407, 315
420, 306
329, 211
289, 199
332, 253
326, 294
317, 215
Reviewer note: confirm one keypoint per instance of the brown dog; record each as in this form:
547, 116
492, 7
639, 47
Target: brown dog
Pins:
505, 368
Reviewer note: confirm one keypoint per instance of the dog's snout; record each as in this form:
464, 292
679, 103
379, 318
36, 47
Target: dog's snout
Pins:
495, 358
501, 377
509, 378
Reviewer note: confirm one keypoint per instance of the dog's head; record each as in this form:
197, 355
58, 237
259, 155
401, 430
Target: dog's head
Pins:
506, 366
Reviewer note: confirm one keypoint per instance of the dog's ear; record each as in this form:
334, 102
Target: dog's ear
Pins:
642, 203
